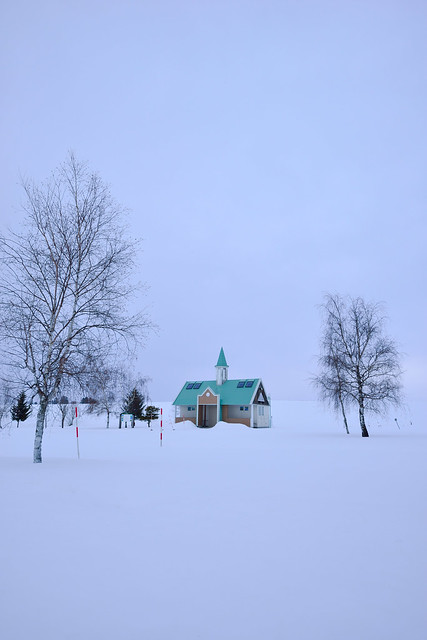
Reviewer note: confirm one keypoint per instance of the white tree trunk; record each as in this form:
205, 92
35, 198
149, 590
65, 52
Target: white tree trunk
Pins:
344, 416
365, 433
37, 456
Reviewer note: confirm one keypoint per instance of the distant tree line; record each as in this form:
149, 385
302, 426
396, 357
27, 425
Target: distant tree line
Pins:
106, 399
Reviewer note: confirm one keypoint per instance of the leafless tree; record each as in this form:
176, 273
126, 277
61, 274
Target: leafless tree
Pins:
104, 383
65, 284
65, 409
359, 364
64, 401
331, 381
63, 404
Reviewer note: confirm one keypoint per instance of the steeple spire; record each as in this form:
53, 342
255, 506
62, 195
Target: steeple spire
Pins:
222, 362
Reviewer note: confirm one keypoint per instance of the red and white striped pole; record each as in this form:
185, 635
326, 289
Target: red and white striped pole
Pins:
161, 427
77, 437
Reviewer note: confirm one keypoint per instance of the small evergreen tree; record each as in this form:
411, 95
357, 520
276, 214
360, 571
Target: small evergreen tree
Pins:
21, 409
151, 413
134, 404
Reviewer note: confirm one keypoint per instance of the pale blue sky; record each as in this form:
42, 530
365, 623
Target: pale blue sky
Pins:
269, 152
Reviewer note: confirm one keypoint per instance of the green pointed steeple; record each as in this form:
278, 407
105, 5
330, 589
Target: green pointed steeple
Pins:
222, 362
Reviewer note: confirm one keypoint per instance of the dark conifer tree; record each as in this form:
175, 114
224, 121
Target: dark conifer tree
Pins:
134, 404
21, 409
151, 413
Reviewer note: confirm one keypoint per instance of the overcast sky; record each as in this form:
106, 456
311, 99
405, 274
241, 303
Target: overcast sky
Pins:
269, 152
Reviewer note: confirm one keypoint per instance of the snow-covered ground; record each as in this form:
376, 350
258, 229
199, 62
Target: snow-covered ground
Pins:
298, 531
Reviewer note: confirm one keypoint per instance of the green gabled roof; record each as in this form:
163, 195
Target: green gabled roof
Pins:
228, 391
222, 362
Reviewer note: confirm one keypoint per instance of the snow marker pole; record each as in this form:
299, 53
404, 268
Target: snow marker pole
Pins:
77, 437
161, 427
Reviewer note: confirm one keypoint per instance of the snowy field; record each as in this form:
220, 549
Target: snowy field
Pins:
297, 532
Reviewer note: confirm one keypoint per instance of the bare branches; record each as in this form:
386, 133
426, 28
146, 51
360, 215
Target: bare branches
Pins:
66, 285
359, 365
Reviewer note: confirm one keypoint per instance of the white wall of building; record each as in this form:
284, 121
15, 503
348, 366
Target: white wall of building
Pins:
262, 417
187, 411
235, 412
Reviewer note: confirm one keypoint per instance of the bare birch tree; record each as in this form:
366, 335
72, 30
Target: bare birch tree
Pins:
64, 401
104, 382
359, 364
65, 408
65, 282
331, 381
